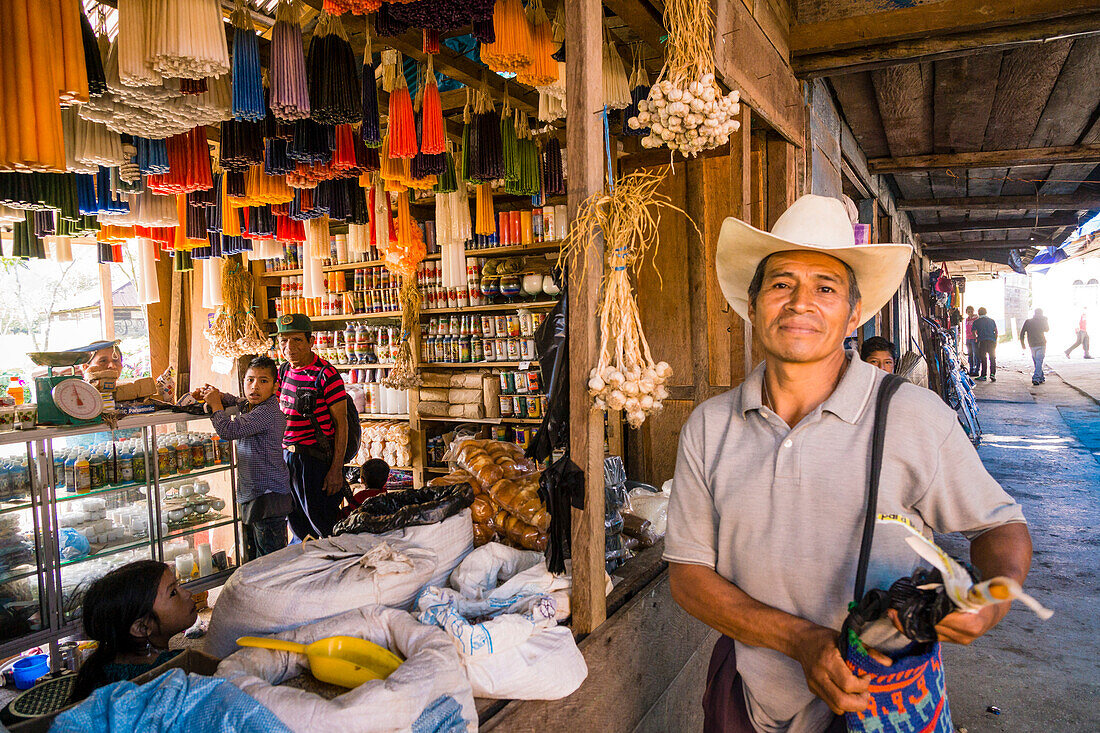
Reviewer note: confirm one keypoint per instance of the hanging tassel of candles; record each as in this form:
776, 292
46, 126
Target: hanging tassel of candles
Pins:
434, 139
182, 39
358, 7
152, 155
639, 90
333, 79
402, 125
616, 85
553, 177
311, 143
189, 165
527, 181
486, 146
317, 235
136, 47
366, 159
386, 25
484, 31
404, 259
465, 163
431, 41
371, 130
248, 84
508, 143
93, 62
486, 219
59, 249
24, 244
543, 69
289, 91
448, 180
512, 51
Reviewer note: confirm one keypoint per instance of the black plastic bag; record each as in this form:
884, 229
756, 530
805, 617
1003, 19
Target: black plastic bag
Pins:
552, 346
400, 509
562, 487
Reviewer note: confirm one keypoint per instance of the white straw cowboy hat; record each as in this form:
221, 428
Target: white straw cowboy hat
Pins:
811, 224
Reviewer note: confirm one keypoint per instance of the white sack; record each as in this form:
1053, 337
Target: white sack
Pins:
451, 540
313, 580
432, 669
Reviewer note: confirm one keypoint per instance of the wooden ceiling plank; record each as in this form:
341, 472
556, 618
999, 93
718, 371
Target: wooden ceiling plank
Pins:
960, 115
869, 58
856, 95
921, 21
1064, 202
1026, 81
904, 95
1053, 221
1076, 93
1065, 178
991, 159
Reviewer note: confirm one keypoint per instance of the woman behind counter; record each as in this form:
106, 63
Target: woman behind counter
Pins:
131, 612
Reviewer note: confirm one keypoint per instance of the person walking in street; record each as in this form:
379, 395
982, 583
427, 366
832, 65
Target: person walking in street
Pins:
971, 342
770, 487
1035, 329
311, 395
1082, 335
985, 333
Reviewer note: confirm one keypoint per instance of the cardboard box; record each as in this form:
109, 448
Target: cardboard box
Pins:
191, 660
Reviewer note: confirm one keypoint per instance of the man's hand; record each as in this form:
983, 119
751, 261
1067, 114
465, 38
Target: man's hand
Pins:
213, 397
826, 673
334, 481
964, 628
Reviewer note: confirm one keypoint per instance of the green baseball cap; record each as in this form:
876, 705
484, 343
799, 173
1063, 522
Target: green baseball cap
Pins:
295, 323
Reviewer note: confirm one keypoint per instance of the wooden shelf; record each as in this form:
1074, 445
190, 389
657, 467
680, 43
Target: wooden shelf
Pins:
326, 268
351, 317
475, 420
522, 420
380, 416
348, 367
474, 364
488, 308
516, 249
437, 469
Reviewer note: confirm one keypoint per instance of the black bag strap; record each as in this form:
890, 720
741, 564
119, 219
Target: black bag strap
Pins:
886, 392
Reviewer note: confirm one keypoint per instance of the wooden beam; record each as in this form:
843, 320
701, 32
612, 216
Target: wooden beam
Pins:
927, 20
642, 19
1049, 222
747, 61
869, 58
987, 159
584, 148
964, 246
1065, 202
106, 303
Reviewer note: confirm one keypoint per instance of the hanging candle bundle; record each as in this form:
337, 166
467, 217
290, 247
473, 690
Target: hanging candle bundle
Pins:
685, 109
553, 176
485, 222
512, 51
136, 44
242, 144
358, 7
639, 90
366, 159
289, 91
448, 180
616, 84
486, 146
182, 38
333, 78
371, 129
93, 62
433, 136
431, 41
508, 143
465, 163
543, 69
317, 236
152, 155
528, 181
248, 83
311, 143
276, 162
440, 15
24, 244
89, 145
193, 86
402, 125
484, 31
403, 258
189, 167
386, 25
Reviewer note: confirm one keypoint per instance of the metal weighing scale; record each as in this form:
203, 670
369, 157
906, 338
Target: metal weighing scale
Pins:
68, 399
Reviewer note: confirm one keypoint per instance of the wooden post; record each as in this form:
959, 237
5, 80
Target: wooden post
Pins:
741, 180
585, 163
106, 302
179, 346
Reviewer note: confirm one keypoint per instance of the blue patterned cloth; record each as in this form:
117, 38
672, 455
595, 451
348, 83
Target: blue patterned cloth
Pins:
443, 715
910, 696
175, 702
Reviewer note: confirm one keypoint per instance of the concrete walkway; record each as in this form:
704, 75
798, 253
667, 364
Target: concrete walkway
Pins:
1044, 677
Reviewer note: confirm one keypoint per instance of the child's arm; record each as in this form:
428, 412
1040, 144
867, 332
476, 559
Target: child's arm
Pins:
263, 418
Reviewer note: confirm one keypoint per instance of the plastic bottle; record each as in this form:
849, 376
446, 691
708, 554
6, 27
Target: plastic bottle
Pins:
110, 465
225, 451
164, 467
97, 467
139, 463
59, 469
70, 473
198, 454
5, 481
183, 456
126, 464
15, 389
82, 473
209, 451
22, 488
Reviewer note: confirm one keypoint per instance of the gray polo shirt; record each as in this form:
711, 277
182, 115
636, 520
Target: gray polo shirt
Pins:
779, 512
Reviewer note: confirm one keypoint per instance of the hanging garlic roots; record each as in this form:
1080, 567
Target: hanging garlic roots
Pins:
685, 109
625, 377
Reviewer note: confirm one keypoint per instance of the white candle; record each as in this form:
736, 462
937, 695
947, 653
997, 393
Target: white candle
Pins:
184, 564
206, 563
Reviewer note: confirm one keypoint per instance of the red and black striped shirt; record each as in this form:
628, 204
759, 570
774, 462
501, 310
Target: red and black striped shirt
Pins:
322, 377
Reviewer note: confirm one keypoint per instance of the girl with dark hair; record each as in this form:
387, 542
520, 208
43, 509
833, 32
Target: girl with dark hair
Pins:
131, 612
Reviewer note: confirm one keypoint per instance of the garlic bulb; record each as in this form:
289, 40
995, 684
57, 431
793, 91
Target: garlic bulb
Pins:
690, 117
637, 389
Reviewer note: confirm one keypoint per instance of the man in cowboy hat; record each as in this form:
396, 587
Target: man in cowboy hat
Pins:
769, 495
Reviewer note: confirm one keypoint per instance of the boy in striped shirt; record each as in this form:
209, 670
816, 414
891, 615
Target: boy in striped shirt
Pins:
311, 395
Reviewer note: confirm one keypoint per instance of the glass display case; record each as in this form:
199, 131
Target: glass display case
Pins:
77, 502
